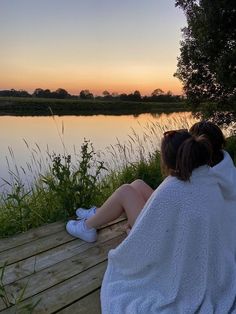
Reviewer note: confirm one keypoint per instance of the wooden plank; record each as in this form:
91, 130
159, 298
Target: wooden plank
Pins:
55, 274
88, 305
43, 260
34, 247
67, 292
19, 242
33, 234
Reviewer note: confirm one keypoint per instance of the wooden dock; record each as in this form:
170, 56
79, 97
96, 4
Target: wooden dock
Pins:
60, 272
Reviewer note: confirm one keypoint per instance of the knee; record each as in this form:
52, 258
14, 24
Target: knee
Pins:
125, 189
138, 183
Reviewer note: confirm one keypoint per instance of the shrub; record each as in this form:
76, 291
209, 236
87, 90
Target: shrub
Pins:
74, 187
53, 196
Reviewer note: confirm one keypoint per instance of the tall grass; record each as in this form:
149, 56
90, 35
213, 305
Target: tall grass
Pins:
53, 194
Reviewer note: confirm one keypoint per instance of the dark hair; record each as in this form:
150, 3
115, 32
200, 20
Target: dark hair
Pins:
193, 153
169, 149
214, 135
181, 153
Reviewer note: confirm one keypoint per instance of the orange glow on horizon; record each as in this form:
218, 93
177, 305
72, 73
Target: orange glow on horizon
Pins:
120, 78
145, 83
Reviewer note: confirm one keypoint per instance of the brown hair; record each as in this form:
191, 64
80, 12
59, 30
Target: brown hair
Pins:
181, 153
214, 135
169, 149
193, 153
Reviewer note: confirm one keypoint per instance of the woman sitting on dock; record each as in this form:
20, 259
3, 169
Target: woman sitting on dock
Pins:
180, 256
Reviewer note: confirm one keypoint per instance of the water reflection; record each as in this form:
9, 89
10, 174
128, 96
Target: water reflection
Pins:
23, 139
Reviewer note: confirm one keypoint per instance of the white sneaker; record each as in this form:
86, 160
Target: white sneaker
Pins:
78, 229
83, 213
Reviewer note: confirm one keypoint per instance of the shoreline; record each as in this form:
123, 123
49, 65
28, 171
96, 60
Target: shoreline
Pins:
18, 106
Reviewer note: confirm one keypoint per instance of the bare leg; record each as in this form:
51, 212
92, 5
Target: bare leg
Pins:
125, 199
143, 188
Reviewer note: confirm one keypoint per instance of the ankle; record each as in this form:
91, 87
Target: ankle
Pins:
87, 224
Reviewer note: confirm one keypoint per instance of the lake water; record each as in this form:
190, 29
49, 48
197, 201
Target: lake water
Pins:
25, 142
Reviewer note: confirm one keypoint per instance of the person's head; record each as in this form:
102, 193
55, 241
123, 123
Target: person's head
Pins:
214, 135
181, 153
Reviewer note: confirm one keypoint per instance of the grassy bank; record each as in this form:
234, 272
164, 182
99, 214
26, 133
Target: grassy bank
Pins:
41, 106
56, 194
65, 186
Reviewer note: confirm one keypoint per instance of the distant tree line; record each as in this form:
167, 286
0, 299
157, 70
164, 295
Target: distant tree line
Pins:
157, 95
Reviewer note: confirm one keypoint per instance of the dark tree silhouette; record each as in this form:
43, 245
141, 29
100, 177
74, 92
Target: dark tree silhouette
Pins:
157, 92
123, 96
106, 93
86, 94
38, 92
41, 93
207, 62
61, 93
137, 96
14, 93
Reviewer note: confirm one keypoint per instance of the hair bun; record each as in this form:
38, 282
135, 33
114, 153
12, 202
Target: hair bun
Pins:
193, 153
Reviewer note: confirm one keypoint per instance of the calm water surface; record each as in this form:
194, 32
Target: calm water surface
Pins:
23, 139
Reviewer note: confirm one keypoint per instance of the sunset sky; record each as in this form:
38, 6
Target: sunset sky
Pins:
114, 45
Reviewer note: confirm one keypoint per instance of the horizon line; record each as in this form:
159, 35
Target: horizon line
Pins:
31, 91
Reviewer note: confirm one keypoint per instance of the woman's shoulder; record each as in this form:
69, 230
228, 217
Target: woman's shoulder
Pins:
170, 187
172, 182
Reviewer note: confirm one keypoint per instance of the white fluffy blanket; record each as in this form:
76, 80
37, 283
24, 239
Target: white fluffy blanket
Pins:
180, 256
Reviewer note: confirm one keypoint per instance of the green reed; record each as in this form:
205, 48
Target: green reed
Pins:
14, 300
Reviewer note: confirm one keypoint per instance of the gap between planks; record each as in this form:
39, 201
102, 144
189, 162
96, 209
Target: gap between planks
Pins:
90, 304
